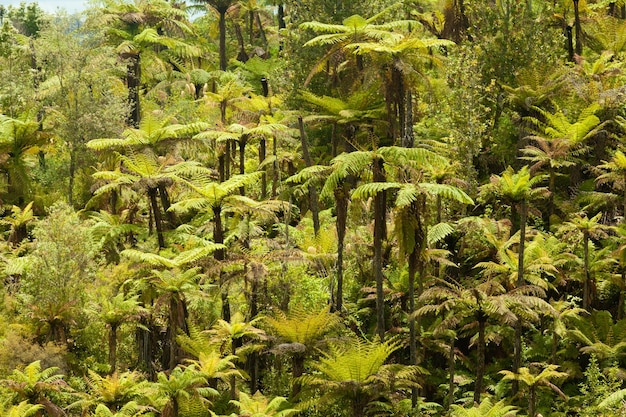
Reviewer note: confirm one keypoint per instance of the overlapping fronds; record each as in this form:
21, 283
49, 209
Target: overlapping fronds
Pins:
183, 258
258, 405
486, 408
600, 336
300, 326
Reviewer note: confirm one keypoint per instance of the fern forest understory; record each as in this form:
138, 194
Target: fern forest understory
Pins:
313, 208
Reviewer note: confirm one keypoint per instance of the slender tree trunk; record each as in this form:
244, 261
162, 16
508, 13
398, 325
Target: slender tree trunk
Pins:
578, 29
72, 174
587, 285
624, 199
133, 82
242, 56
220, 255
165, 203
379, 236
399, 123
480, 360
413, 261
222, 25
517, 348
146, 343
313, 203
555, 344
569, 42
275, 172
532, 400
227, 160
451, 370
113, 347
408, 137
221, 168
262, 151
156, 212
341, 207
620, 302
261, 32
297, 371
243, 141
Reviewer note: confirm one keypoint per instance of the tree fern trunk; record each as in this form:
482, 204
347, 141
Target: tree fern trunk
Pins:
341, 207
156, 212
313, 203
242, 160
578, 29
532, 400
165, 203
587, 284
379, 236
259, 23
72, 174
112, 347
620, 302
262, 150
222, 26
133, 80
275, 172
296, 372
413, 260
480, 360
451, 370
517, 348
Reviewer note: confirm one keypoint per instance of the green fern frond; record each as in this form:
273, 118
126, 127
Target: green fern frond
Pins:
438, 233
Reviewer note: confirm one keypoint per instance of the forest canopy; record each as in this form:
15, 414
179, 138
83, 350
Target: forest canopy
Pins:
313, 208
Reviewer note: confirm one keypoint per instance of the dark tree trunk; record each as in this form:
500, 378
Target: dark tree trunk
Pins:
413, 261
587, 285
165, 203
275, 171
113, 347
221, 167
218, 232
262, 33
517, 348
227, 160
313, 203
281, 16
341, 207
156, 212
620, 302
532, 400
296, 372
480, 360
222, 25
242, 56
72, 175
262, 151
569, 39
177, 320
220, 255
146, 343
243, 141
133, 82
379, 236
451, 370
398, 115
408, 136
578, 29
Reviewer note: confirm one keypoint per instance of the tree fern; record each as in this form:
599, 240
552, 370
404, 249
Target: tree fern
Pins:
487, 408
301, 326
